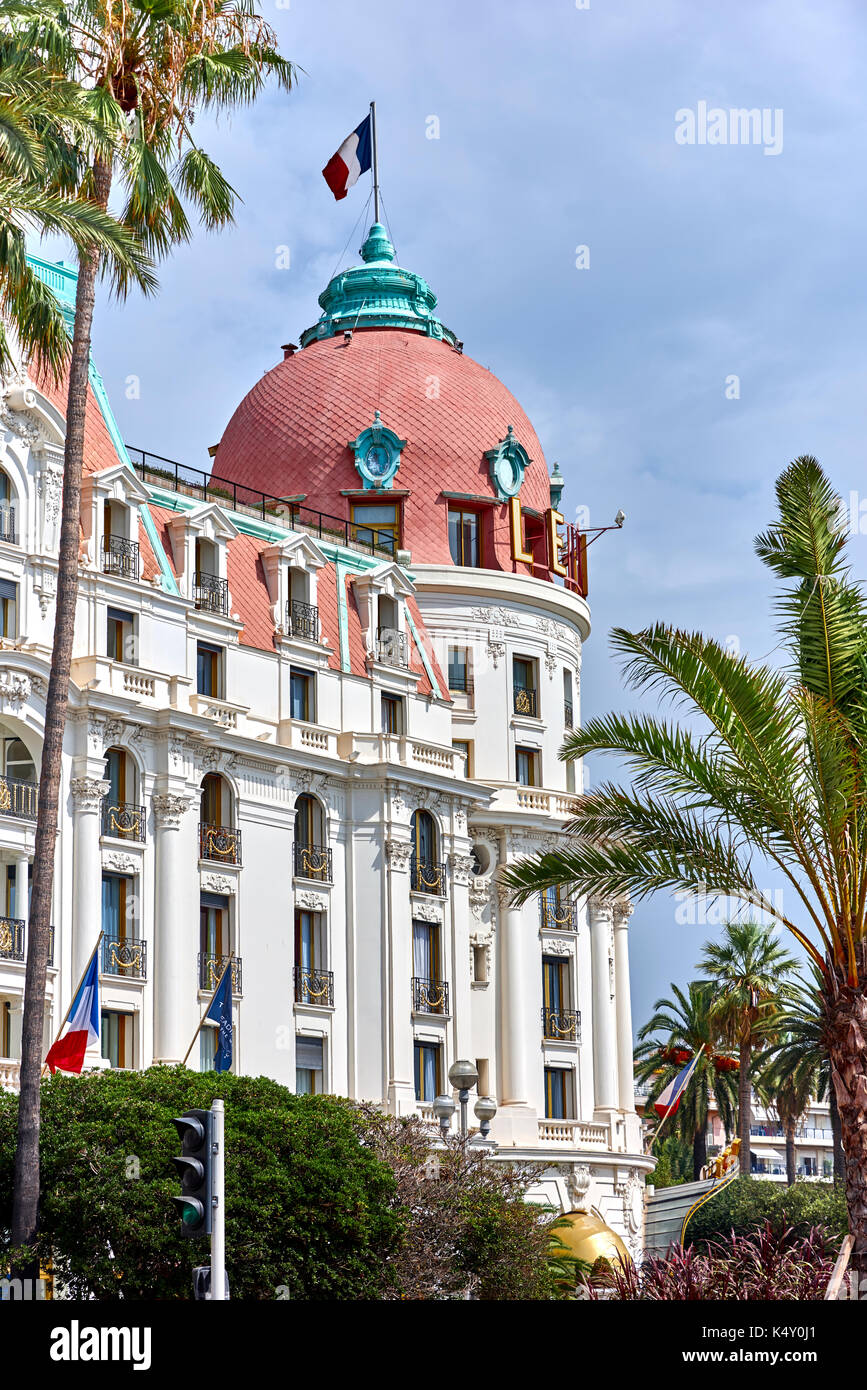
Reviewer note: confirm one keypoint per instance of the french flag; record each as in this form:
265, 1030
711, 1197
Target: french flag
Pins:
67, 1054
669, 1099
352, 159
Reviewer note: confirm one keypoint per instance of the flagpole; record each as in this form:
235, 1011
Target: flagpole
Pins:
375, 163
74, 995
676, 1099
226, 967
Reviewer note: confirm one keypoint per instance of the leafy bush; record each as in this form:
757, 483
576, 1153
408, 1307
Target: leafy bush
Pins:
748, 1203
774, 1265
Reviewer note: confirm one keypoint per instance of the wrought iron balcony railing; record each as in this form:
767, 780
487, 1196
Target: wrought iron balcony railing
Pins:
120, 556
312, 861
221, 843
314, 987
211, 969
302, 620
19, 799
210, 592
524, 700
392, 647
7, 525
11, 938
124, 820
127, 957
429, 996
428, 878
568, 714
558, 916
561, 1025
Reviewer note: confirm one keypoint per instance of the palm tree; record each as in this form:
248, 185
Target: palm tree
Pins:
150, 66
678, 1029
40, 117
803, 1050
789, 1091
749, 969
775, 774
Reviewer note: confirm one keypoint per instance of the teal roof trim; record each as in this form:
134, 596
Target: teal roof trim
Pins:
423, 654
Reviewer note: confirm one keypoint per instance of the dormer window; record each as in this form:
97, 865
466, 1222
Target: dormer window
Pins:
210, 590
302, 616
120, 554
376, 526
392, 647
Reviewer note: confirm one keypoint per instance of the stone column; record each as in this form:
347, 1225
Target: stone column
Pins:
173, 974
22, 878
401, 1059
623, 1006
87, 870
519, 991
461, 866
600, 912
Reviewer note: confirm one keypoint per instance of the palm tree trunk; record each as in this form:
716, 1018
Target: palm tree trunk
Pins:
25, 1196
699, 1152
847, 1020
837, 1133
791, 1167
745, 1109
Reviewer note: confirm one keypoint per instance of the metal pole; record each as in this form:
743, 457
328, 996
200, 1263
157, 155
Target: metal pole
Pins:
464, 1097
375, 163
218, 1225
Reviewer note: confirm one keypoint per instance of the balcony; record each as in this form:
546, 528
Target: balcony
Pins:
220, 843
392, 648
211, 593
559, 916
561, 1025
314, 987
429, 996
211, 969
312, 861
7, 525
427, 878
127, 958
568, 714
124, 820
11, 938
524, 701
121, 557
19, 799
302, 620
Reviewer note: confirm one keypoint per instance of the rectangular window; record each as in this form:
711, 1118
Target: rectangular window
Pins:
558, 1093
214, 928
464, 746
555, 984
301, 690
376, 526
121, 636
6, 1029
568, 707
524, 686
209, 670
428, 1079
309, 940
460, 671
116, 1032
8, 608
426, 951
527, 767
464, 537
392, 714
118, 900
309, 1066
207, 1048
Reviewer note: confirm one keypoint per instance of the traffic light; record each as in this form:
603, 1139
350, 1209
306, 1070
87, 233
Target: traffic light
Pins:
195, 1166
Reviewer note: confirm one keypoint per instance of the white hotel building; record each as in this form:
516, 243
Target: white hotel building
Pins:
317, 701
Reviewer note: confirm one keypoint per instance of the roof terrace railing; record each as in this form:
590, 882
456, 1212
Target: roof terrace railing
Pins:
158, 471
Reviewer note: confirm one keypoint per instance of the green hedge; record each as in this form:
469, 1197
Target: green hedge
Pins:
747, 1203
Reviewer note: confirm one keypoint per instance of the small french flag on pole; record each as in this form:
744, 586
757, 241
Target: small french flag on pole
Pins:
668, 1100
353, 159
67, 1053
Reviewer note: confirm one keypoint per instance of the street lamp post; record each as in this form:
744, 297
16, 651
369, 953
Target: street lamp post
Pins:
463, 1076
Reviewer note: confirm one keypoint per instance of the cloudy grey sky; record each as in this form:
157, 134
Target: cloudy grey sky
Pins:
557, 129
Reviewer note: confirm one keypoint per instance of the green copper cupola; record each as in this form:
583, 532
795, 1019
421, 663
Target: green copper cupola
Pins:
377, 294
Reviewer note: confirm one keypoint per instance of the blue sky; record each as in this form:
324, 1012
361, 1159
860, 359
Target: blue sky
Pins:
556, 130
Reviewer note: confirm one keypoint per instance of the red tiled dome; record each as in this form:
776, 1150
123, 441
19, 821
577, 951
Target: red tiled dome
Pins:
290, 435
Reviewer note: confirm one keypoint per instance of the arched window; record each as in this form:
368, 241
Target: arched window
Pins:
427, 872
122, 816
218, 838
18, 789
7, 510
312, 855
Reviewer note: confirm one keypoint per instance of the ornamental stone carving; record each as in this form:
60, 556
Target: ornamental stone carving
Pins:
169, 808
16, 687
601, 908
425, 911
553, 947
496, 652
398, 853
88, 792
113, 731
577, 1182
218, 883
311, 902
121, 863
480, 895
462, 868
